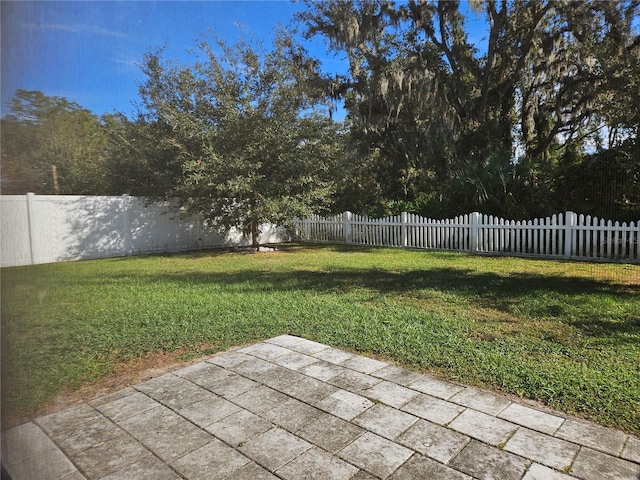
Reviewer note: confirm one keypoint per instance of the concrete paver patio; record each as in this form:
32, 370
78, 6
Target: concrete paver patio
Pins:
291, 408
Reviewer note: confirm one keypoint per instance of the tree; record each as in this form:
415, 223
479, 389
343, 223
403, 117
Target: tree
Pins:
136, 162
397, 112
244, 128
605, 184
422, 94
50, 145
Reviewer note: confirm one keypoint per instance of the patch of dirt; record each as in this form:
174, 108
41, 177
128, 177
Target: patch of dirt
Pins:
124, 375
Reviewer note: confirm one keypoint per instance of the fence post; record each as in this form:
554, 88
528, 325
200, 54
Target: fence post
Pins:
404, 228
347, 227
126, 225
568, 228
473, 231
31, 200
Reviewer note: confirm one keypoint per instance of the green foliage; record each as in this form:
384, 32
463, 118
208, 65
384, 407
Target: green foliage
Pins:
41, 132
564, 333
239, 135
604, 184
497, 186
244, 127
552, 74
135, 163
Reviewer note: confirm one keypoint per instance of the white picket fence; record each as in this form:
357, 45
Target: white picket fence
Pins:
567, 235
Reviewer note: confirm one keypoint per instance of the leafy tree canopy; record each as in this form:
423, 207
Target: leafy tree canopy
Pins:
244, 127
50, 145
524, 125
553, 73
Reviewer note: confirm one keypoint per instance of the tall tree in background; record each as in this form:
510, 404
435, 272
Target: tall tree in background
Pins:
439, 110
49, 138
544, 116
242, 126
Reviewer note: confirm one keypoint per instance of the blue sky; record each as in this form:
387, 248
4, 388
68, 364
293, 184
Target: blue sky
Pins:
88, 51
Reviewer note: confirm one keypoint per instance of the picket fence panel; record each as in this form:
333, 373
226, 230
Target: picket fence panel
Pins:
564, 235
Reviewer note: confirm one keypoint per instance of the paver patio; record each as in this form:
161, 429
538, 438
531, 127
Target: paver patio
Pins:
292, 408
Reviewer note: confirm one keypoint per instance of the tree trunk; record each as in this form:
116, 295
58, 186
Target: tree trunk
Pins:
255, 241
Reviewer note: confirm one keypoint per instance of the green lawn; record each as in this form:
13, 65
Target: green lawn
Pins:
564, 333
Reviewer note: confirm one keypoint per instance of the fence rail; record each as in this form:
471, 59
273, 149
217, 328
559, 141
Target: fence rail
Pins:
565, 235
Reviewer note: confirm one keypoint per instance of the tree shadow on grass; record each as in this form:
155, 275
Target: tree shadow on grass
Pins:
550, 297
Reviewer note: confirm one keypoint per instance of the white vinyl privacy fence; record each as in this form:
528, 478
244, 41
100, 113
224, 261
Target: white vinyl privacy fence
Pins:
57, 228
567, 235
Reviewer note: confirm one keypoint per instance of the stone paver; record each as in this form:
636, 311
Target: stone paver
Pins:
363, 364
275, 448
375, 454
333, 355
330, 433
484, 461
260, 399
419, 468
298, 344
208, 411
390, 394
149, 468
292, 415
307, 389
540, 472
28, 453
254, 368
229, 359
316, 464
213, 461
345, 405
111, 397
109, 457
385, 421
434, 441
91, 433
398, 375
121, 408
252, 471
295, 361
294, 408
483, 427
165, 433
265, 351
480, 400
362, 475
69, 419
354, 381
594, 465
204, 374
549, 451
322, 370
232, 386
239, 427
433, 409
600, 438
631, 450
435, 387
281, 378
173, 391
531, 418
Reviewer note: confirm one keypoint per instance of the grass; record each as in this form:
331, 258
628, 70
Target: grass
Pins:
564, 333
